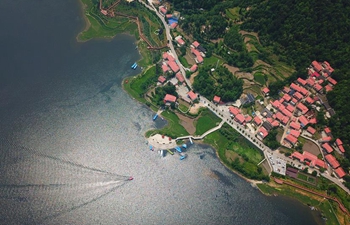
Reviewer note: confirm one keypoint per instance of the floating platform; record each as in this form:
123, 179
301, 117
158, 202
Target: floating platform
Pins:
170, 152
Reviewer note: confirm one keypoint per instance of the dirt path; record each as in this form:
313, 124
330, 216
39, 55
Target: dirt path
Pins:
193, 76
232, 69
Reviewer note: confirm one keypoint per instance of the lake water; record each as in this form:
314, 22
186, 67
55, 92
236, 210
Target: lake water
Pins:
70, 137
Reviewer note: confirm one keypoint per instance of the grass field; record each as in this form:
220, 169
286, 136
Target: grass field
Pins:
206, 121
174, 129
233, 13
137, 84
213, 60
260, 78
184, 62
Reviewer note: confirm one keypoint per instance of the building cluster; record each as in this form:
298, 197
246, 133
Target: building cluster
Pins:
295, 112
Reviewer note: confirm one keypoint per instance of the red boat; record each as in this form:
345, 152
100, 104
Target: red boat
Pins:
131, 178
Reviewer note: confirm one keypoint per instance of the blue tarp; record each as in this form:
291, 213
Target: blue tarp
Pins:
172, 20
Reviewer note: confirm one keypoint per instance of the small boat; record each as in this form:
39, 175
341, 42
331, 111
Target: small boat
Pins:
133, 65
151, 147
130, 178
177, 148
155, 117
184, 146
182, 157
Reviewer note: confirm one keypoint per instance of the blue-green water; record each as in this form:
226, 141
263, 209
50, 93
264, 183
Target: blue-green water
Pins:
70, 137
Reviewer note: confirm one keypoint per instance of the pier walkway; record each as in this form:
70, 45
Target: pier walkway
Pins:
203, 135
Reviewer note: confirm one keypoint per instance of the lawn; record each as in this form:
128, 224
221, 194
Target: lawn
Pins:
138, 83
184, 62
206, 121
183, 108
213, 60
233, 13
260, 78
174, 129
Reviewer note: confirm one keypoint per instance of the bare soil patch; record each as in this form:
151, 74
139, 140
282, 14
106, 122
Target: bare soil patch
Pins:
232, 69
193, 76
189, 57
244, 75
187, 123
195, 108
311, 147
217, 40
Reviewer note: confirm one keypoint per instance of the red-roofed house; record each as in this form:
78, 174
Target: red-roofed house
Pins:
295, 133
168, 16
265, 91
309, 100
180, 77
281, 108
199, 58
262, 132
194, 68
287, 113
290, 108
279, 116
257, 120
326, 139
173, 66
341, 148
216, 99
327, 130
234, 111
165, 68
332, 81
332, 161
193, 96
316, 65
302, 108
104, 12
294, 87
315, 74
173, 25
248, 119
275, 123
304, 91
170, 58
180, 41
165, 55
339, 172
286, 89
285, 120
298, 96
240, 118
318, 87
161, 79
169, 98
327, 148
328, 66
301, 81
310, 81
328, 88
298, 156
320, 81
275, 104
303, 121
295, 125
311, 130
287, 97
338, 142
294, 101
291, 139
313, 120
195, 44
162, 10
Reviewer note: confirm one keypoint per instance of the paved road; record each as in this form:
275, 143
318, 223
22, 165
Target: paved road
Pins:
225, 115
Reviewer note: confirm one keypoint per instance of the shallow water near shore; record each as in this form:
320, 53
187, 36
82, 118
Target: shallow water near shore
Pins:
70, 137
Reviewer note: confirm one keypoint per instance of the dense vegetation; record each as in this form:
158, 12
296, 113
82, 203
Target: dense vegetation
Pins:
220, 82
270, 140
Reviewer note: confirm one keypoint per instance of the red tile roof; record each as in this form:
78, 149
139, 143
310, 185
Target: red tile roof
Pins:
180, 77
169, 98
240, 118
192, 95
310, 81
257, 120
248, 118
297, 95
302, 119
291, 139
332, 161
317, 66
295, 133
285, 120
320, 81
304, 91
281, 107
311, 130
309, 100
313, 120
216, 99
195, 44
173, 66
279, 116
327, 148
298, 155
275, 123
338, 142
295, 125
286, 89
287, 97
165, 68
301, 81
302, 108
265, 90
318, 87
294, 100
314, 161
294, 87
234, 111
194, 68
339, 172
180, 41
287, 113
162, 9
170, 58
326, 139
161, 79
341, 148
173, 25
165, 55
332, 81
328, 67
263, 132
275, 104
328, 88
169, 15
327, 130
290, 108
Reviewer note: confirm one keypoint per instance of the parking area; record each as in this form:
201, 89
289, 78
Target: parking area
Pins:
278, 164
